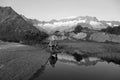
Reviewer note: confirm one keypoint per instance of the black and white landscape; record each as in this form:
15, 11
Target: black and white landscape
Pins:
87, 48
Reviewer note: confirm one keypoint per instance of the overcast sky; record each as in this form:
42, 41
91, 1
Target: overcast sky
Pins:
56, 9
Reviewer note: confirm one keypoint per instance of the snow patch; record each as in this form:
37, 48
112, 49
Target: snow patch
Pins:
97, 25
61, 24
115, 25
110, 24
94, 23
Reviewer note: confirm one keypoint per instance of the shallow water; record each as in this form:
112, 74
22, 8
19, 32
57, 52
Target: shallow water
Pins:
91, 68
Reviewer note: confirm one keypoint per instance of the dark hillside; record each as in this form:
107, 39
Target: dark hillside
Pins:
112, 30
14, 28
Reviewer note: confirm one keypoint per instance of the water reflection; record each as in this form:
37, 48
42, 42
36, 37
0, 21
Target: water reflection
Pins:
70, 67
115, 61
109, 57
88, 60
63, 68
77, 57
53, 59
94, 73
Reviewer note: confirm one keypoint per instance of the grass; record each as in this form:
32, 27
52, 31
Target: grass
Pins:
89, 47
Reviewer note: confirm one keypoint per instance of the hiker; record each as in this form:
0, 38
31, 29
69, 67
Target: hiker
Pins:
53, 43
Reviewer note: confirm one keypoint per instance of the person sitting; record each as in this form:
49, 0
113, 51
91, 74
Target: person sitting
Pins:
53, 44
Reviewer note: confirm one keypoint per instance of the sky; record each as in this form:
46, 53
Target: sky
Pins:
57, 9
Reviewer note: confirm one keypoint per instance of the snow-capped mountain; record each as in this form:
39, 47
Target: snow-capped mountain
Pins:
111, 23
68, 24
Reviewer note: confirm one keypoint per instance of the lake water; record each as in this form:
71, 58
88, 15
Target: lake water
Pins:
66, 67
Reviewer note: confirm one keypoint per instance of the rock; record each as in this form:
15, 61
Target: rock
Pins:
53, 37
115, 38
80, 35
103, 37
99, 37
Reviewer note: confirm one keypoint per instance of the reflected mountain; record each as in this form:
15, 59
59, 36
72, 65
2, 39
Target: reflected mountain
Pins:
77, 59
109, 57
115, 61
79, 67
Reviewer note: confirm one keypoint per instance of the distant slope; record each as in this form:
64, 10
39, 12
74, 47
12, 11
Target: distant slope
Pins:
14, 28
34, 22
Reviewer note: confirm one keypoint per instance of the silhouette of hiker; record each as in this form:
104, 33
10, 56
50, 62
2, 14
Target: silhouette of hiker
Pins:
53, 59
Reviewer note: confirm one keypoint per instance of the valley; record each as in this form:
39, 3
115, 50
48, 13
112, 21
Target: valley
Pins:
86, 46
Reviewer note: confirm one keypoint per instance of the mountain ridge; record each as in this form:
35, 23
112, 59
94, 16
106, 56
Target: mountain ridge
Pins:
64, 24
69, 23
14, 28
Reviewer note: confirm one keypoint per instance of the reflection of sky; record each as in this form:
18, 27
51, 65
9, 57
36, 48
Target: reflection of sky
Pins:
101, 71
49, 9
66, 71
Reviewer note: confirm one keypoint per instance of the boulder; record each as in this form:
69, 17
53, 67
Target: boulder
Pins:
115, 38
99, 37
103, 37
80, 35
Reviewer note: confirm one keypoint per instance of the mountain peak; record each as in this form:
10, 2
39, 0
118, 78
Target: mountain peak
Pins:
6, 13
70, 23
13, 27
6, 8
88, 18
